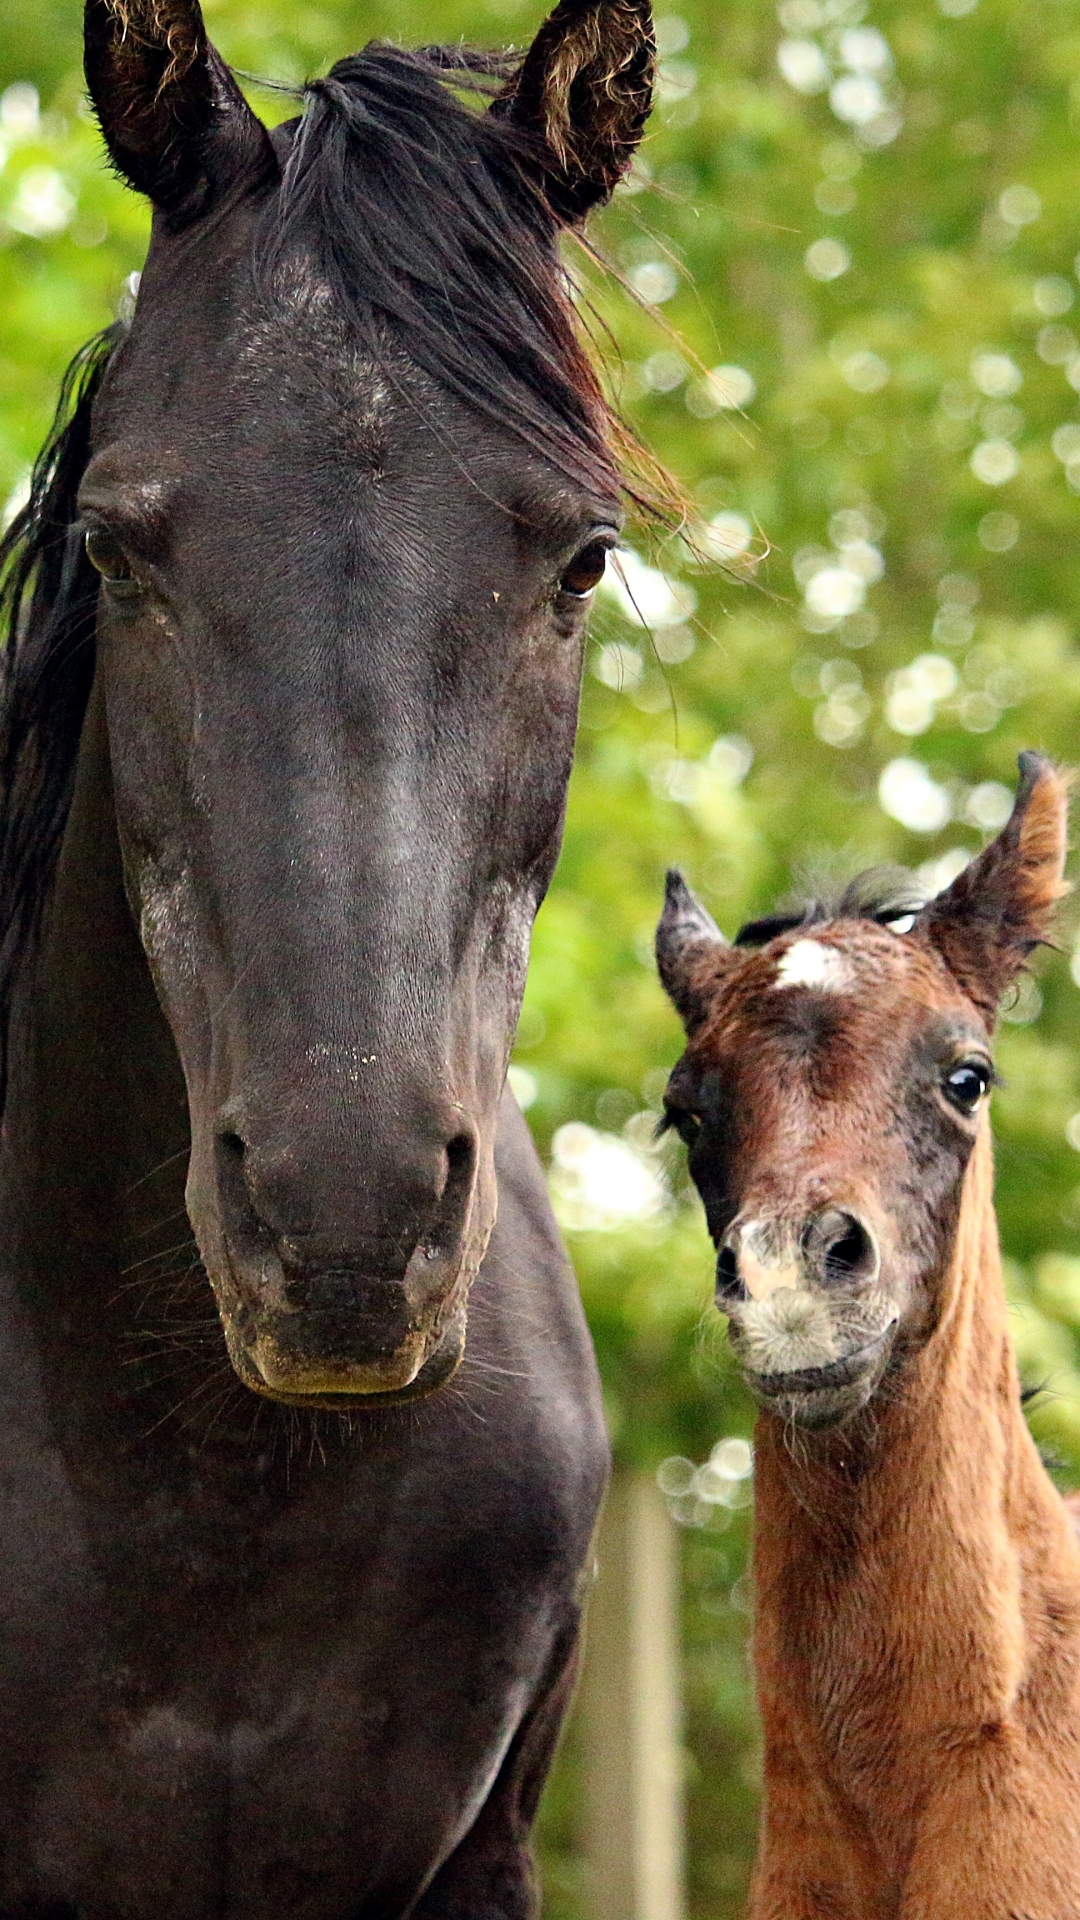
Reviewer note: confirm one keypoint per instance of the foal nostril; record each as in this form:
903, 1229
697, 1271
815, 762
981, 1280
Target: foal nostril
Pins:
840, 1249
727, 1272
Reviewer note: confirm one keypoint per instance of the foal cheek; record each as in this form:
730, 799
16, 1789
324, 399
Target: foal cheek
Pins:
922, 1214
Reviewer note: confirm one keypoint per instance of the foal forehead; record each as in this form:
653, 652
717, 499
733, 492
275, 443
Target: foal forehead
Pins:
843, 987
854, 959
816, 964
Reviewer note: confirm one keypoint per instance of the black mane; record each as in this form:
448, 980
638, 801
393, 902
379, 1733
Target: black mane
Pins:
881, 894
48, 607
428, 221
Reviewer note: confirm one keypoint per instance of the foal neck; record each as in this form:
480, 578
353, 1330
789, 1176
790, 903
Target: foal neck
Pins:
917, 1579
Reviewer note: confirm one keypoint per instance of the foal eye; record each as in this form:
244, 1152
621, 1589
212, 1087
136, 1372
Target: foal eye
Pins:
105, 553
687, 1126
965, 1085
586, 570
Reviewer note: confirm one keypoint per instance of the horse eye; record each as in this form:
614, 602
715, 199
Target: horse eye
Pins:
105, 553
585, 571
965, 1085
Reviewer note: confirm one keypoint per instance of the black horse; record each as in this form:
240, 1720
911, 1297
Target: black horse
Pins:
295, 631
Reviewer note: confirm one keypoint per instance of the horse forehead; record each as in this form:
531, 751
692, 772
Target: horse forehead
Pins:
301, 349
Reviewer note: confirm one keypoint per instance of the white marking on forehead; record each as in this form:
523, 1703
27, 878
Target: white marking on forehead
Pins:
808, 964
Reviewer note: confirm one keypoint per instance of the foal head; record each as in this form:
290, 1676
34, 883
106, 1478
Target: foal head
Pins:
349, 492
833, 1087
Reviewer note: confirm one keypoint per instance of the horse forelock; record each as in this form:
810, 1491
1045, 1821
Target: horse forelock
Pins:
425, 218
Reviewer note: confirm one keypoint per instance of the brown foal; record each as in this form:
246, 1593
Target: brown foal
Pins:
917, 1575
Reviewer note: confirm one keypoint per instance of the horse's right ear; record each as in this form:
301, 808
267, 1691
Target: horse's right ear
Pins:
175, 122
585, 87
688, 946
1002, 905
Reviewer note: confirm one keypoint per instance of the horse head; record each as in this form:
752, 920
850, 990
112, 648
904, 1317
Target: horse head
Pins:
349, 493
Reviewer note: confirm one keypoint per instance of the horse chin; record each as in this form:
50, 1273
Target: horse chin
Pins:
817, 1398
419, 1367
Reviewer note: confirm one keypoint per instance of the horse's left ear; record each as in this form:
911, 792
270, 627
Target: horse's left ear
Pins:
1002, 906
175, 122
585, 87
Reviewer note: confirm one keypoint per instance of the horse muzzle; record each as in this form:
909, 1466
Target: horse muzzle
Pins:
333, 1360
325, 1311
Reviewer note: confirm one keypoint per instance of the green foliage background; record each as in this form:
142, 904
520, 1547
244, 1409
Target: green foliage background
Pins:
945, 327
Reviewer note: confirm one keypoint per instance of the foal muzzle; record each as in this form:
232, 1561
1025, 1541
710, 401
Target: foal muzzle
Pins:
809, 1321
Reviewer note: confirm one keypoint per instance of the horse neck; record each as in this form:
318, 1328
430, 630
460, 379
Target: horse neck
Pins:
95, 1125
925, 1549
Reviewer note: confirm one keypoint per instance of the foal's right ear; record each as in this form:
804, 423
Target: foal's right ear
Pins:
688, 946
585, 87
1002, 906
173, 117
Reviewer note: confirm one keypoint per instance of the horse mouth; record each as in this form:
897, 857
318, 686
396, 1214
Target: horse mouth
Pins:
339, 1380
823, 1396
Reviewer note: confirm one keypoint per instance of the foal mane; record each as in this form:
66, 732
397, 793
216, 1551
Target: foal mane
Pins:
48, 608
427, 218
881, 894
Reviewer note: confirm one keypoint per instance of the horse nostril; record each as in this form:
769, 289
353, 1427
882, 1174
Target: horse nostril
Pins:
460, 1159
727, 1272
233, 1191
841, 1249
230, 1149
448, 1221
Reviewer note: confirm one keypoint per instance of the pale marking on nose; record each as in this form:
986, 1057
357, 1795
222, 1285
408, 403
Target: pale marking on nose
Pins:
808, 964
759, 1280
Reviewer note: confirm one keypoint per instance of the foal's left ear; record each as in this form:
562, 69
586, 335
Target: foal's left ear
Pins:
1001, 906
175, 122
585, 86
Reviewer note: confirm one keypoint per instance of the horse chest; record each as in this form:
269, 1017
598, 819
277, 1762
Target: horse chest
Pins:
208, 1707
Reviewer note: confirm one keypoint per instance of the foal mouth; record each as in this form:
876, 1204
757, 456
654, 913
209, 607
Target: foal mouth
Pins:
822, 1396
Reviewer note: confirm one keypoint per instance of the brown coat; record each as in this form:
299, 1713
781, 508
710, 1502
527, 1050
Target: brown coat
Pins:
917, 1575
918, 1640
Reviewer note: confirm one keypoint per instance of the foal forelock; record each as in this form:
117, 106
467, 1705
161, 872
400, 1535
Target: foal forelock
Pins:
424, 218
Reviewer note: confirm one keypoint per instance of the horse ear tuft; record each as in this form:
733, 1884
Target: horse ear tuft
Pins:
585, 87
688, 946
173, 117
1002, 906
